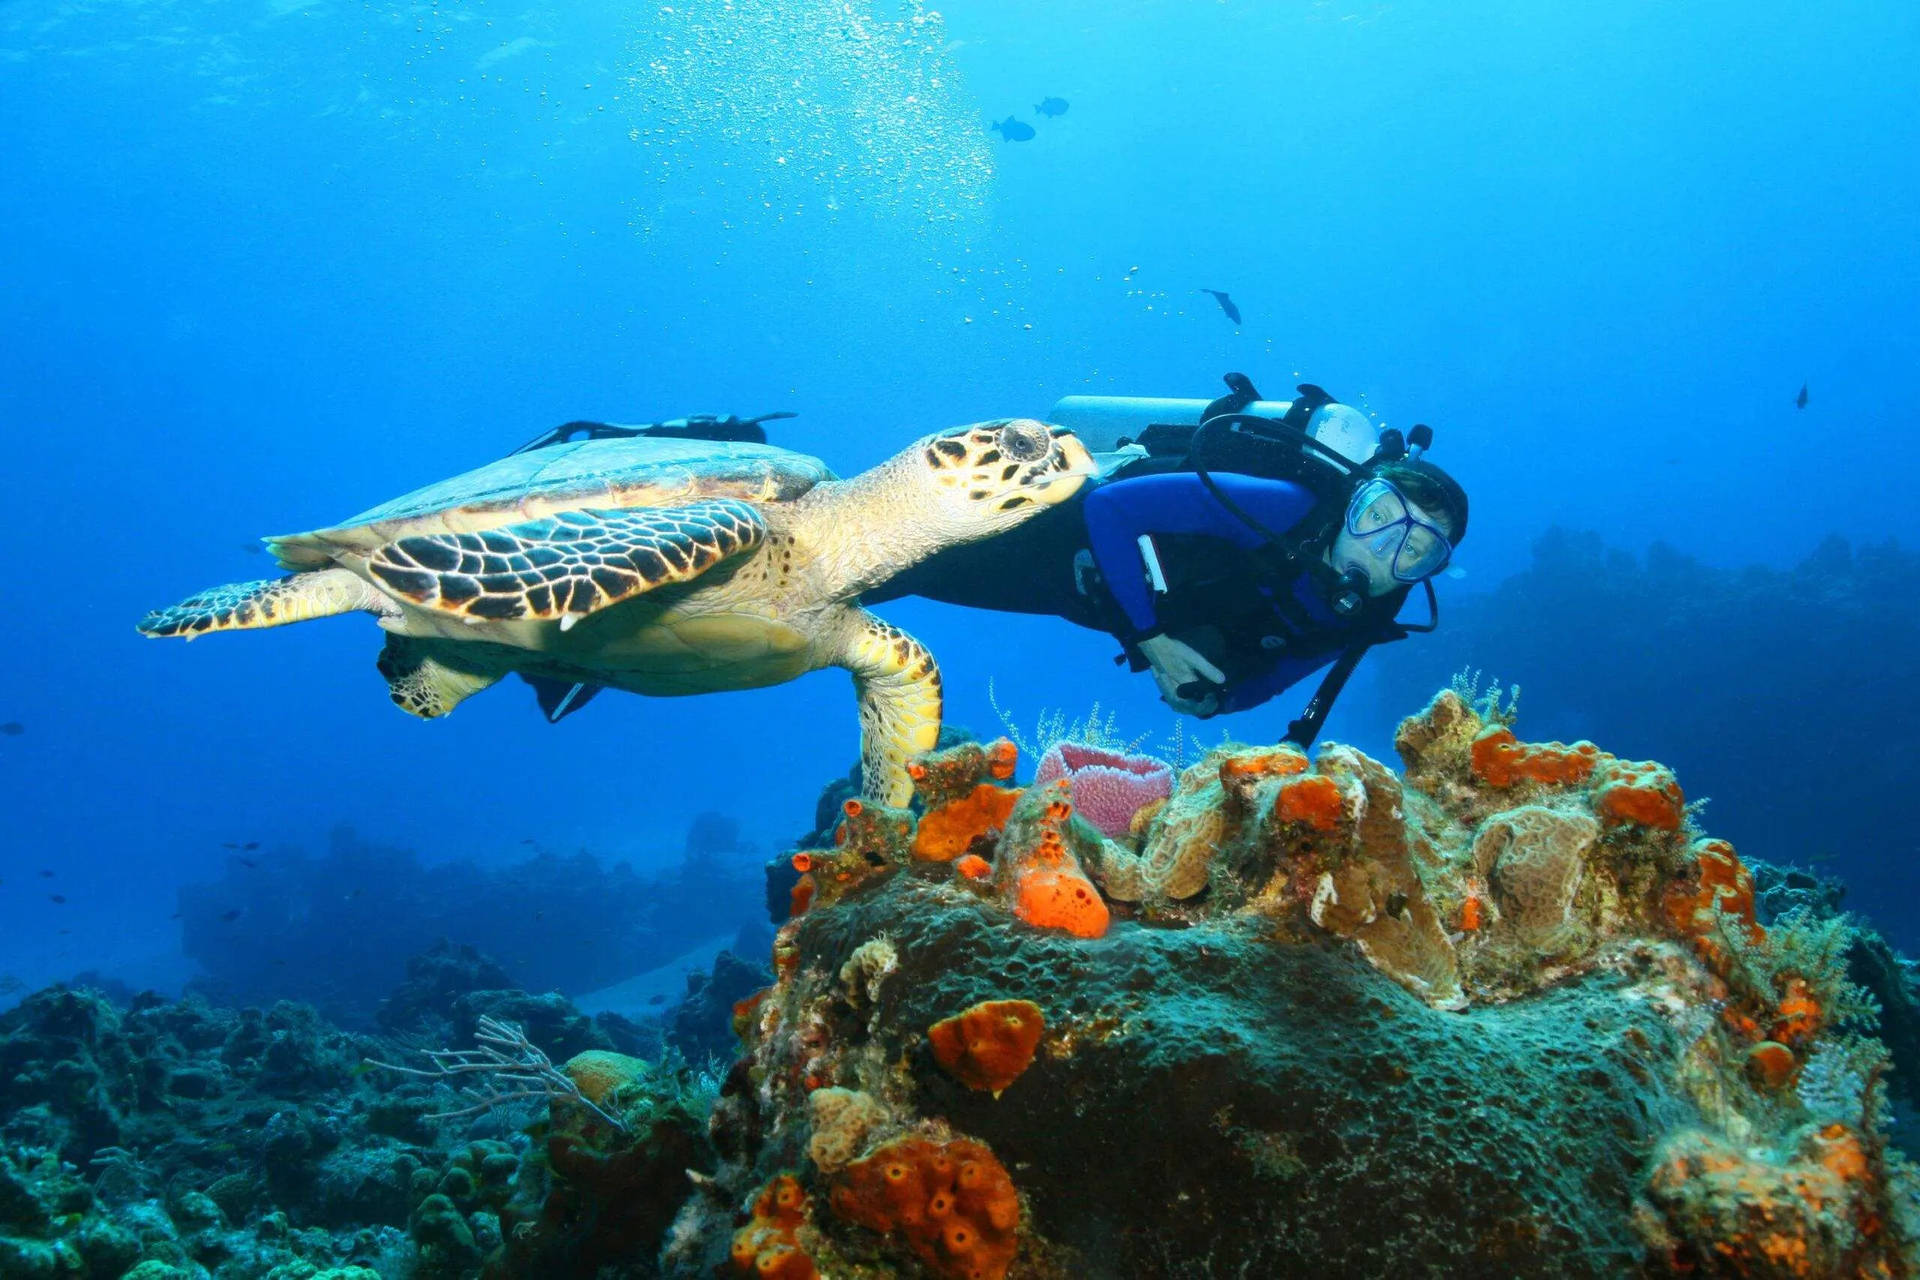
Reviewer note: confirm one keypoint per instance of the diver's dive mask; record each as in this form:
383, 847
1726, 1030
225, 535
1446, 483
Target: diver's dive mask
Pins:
1396, 533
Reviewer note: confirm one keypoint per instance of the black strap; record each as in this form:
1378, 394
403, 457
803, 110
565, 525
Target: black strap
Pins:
1303, 731
699, 426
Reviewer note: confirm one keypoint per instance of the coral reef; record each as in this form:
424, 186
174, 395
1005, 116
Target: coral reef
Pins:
1505, 1012
174, 1140
701, 1025
1712, 671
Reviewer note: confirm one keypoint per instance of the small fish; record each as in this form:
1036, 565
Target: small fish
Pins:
656, 999
45, 874
60, 898
1226, 304
1052, 107
1011, 130
230, 915
1800, 401
252, 548
12, 728
229, 844
251, 844
248, 862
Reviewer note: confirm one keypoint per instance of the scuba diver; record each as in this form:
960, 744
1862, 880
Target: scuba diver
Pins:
1233, 548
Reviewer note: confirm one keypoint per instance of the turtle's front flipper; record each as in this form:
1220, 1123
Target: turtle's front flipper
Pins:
898, 684
421, 683
274, 602
565, 566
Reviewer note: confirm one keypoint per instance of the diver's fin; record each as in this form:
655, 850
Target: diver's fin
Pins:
559, 699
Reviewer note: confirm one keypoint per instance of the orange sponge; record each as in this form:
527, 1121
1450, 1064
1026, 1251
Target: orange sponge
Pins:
1639, 792
1314, 799
950, 830
952, 1204
768, 1246
1719, 880
1500, 760
973, 866
1064, 899
990, 1044
1040, 878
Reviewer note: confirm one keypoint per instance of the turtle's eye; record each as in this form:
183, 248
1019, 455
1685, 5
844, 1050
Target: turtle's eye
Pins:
1024, 441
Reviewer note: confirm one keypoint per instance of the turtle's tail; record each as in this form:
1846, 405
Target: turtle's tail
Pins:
273, 602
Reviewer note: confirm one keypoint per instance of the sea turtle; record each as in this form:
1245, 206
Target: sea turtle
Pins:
663, 566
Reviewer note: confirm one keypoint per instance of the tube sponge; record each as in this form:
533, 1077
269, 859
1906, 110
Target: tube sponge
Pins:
1107, 787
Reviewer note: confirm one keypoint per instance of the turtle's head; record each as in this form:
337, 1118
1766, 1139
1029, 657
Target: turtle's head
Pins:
957, 486
988, 477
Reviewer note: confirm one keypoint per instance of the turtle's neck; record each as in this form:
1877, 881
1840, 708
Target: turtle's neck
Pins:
863, 530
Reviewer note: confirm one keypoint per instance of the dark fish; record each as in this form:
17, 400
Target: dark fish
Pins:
13, 728
656, 999
251, 844
1052, 107
60, 898
1800, 401
248, 862
45, 874
252, 548
1226, 304
229, 845
230, 915
1011, 130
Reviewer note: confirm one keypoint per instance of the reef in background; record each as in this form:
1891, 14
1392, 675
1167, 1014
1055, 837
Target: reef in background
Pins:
1783, 694
271, 927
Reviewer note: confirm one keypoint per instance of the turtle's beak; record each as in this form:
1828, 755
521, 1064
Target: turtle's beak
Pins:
1069, 467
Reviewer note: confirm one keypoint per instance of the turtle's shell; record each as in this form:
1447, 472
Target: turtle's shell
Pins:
619, 474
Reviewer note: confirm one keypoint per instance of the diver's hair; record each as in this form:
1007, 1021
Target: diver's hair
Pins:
1434, 490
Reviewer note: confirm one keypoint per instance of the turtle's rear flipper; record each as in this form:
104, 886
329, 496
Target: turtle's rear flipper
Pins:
563, 567
274, 602
898, 684
560, 698
421, 684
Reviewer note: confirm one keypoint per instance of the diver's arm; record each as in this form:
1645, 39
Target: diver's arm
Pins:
1118, 514
1282, 675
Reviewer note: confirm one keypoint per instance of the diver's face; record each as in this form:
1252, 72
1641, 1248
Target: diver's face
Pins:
1390, 539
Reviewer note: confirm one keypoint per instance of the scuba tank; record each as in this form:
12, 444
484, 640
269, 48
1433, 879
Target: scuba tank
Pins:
1108, 424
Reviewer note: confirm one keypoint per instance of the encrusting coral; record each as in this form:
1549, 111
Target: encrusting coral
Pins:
1503, 1012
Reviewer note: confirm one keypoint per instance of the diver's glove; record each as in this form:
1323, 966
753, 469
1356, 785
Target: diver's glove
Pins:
1188, 682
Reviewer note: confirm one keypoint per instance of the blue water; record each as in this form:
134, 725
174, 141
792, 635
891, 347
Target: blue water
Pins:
266, 264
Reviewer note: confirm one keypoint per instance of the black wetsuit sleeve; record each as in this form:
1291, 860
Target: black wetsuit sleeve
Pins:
1119, 513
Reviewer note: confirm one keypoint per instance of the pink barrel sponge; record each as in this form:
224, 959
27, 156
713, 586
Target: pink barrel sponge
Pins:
1108, 788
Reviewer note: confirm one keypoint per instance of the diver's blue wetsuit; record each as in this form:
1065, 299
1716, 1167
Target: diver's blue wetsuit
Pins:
1178, 503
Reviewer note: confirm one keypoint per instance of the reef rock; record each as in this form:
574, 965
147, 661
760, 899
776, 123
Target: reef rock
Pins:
1496, 1015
